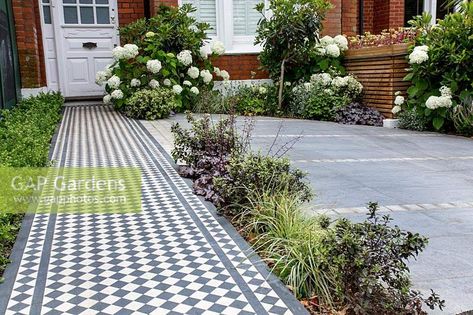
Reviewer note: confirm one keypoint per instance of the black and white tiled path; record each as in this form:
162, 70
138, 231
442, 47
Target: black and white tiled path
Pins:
175, 257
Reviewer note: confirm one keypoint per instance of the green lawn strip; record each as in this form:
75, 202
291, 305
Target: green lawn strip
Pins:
25, 136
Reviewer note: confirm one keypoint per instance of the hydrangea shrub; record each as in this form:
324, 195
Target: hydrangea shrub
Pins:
441, 68
323, 95
163, 54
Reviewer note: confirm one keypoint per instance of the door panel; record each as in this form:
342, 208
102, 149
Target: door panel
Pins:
85, 36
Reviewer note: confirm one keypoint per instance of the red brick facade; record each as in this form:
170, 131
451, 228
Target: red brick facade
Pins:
29, 42
130, 10
342, 19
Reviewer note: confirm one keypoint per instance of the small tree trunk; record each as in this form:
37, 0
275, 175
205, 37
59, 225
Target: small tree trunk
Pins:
281, 83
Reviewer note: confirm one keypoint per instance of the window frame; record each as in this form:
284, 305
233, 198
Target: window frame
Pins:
430, 6
234, 44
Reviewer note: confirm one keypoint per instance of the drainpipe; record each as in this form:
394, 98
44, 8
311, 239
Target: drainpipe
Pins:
147, 5
361, 13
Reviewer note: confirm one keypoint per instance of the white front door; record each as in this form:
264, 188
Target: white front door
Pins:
85, 33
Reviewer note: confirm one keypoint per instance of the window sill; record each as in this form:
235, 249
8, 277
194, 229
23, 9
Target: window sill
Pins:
243, 50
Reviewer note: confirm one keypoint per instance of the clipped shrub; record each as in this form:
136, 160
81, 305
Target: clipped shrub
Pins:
25, 134
150, 104
254, 173
26, 130
412, 119
359, 114
372, 257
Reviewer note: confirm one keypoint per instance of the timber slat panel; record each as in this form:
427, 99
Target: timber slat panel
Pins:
381, 71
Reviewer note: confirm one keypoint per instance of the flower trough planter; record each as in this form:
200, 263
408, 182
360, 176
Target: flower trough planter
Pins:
380, 70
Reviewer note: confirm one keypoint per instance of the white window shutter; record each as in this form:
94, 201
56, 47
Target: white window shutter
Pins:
206, 13
245, 17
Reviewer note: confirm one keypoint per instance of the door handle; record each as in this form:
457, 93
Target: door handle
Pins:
89, 45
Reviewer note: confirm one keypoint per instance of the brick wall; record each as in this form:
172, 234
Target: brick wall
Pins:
389, 14
349, 17
240, 67
332, 25
29, 42
130, 10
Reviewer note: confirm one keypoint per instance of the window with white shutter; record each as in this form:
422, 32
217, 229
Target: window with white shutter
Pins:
233, 22
245, 17
206, 12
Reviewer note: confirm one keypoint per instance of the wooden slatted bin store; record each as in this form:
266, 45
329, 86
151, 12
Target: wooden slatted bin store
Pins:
380, 70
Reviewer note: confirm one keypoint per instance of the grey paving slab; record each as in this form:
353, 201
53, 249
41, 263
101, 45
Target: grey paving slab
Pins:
175, 257
424, 180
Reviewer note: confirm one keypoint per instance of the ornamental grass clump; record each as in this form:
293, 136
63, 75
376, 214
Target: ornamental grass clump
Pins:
291, 242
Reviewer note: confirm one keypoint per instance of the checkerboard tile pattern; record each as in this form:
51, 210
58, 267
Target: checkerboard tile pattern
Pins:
172, 258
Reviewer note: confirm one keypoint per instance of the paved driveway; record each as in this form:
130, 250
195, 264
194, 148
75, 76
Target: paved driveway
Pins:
425, 180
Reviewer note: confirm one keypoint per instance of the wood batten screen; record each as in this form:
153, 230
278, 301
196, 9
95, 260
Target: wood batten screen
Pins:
380, 70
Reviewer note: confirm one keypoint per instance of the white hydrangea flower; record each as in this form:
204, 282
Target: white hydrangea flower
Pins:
398, 93
422, 48
341, 41
321, 51
117, 94
205, 51
332, 50
445, 91
308, 86
107, 99
154, 66
217, 47
262, 90
399, 100
287, 83
127, 52
185, 57
177, 89
339, 82
114, 82
225, 75
167, 82
131, 51
353, 85
118, 53
193, 28
193, 72
195, 90
323, 79
206, 76
135, 83
150, 34
435, 102
217, 71
154, 84
101, 77
418, 56
328, 91
187, 83
396, 109
326, 40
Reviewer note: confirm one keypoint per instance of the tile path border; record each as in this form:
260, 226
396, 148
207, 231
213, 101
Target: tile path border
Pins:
78, 261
